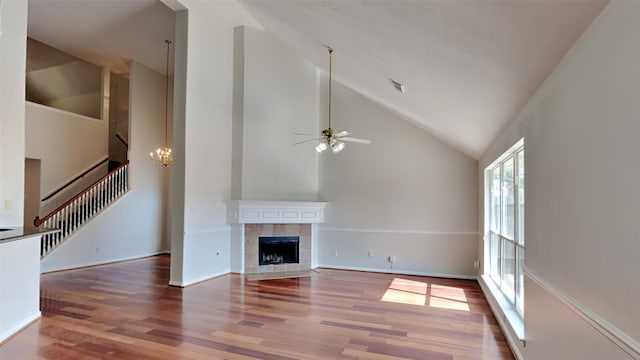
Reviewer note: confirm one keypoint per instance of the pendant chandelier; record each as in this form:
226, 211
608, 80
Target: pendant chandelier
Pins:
162, 155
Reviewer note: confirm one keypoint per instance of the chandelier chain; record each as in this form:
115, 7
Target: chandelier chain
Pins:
330, 83
166, 98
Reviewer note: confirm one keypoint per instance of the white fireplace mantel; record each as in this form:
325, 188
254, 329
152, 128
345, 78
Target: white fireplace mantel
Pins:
275, 212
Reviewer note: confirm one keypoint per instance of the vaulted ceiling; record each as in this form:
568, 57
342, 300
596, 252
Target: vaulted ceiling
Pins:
105, 32
468, 66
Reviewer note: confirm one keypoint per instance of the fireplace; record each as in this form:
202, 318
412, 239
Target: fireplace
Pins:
277, 247
255, 221
278, 250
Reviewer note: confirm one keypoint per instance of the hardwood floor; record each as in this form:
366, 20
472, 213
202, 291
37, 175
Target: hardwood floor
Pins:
127, 311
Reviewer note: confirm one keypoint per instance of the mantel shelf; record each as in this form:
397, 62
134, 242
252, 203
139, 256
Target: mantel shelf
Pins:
275, 212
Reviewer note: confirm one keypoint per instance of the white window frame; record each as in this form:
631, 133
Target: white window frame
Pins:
515, 295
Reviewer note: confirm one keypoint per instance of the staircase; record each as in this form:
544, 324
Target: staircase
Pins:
73, 214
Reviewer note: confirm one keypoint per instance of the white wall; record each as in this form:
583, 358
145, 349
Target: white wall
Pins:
118, 116
407, 194
68, 144
19, 285
133, 226
580, 131
201, 179
13, 40
206, 147
278, 98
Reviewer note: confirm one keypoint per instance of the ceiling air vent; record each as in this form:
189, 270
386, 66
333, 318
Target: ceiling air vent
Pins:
398, 86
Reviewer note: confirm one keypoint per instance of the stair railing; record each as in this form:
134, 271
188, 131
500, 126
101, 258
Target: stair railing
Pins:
71, 215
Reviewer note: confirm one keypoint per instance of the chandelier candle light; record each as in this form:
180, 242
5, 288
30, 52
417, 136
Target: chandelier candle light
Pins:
163, 155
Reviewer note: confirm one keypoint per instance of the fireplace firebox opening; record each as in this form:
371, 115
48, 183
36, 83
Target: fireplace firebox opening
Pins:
278, 250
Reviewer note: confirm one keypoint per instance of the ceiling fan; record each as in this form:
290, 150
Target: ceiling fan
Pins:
331, 138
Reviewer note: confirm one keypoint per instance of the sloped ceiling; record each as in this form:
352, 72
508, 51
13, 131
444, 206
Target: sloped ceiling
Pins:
105, 32
468, 66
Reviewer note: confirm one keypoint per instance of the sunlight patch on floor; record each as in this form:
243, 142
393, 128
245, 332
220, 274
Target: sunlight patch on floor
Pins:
410, 292
405, 291
448, 297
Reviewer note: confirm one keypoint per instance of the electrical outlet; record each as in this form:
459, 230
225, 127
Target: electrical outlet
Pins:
335, 252
476, 264
370, 253
391, 258
8, 204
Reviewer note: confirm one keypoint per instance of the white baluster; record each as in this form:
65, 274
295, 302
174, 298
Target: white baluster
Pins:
92, 201
78, 213
80, 210
119, 182
98, 197
74, 215
114, 183
85, 208
111, 189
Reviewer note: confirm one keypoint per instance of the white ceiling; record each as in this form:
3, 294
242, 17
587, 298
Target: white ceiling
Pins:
468, 65
105, 32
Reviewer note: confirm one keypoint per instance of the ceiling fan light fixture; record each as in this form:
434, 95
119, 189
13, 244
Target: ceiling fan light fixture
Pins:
321, 147
329, 137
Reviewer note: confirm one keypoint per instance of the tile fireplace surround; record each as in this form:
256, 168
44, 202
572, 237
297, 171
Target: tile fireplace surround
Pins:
253, 231
252, 219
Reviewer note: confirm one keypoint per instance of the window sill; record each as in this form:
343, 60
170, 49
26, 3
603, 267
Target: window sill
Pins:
505, 313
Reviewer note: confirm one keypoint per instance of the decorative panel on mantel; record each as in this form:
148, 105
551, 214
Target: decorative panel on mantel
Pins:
275, 212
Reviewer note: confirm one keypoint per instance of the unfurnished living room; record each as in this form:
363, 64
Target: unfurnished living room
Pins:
319, 179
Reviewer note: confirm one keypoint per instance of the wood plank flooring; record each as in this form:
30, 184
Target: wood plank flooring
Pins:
127, 311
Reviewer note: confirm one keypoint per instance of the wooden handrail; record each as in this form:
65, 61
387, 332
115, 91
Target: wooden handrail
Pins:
74, 180
122, 140
37, 221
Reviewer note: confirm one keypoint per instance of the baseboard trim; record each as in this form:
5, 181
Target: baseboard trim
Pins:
207, 231
399, 272
199, 280
623, 341
102, 262
9, 334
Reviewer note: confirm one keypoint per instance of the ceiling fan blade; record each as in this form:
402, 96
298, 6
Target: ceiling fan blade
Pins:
306, 141
356, 140
342, 133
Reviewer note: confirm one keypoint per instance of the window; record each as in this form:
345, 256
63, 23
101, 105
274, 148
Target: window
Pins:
505, 224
